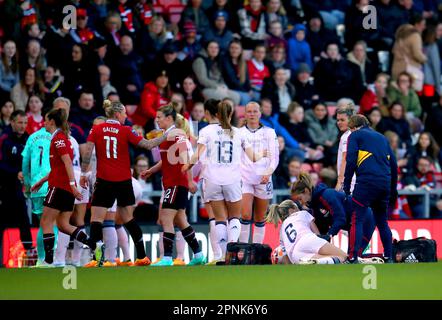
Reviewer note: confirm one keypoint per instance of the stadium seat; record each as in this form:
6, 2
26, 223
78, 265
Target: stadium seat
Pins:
174, 12
306, 167
167, 3
317, 167
159, 9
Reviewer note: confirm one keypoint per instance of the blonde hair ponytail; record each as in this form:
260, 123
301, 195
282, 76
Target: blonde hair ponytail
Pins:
280, 212
112, 107
304, 182
183, 124
225, 111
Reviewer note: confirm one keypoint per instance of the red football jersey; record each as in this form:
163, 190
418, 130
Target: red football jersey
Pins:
171, 166
60, 145
112, 141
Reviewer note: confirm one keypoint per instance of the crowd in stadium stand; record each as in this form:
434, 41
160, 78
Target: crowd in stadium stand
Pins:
300, 59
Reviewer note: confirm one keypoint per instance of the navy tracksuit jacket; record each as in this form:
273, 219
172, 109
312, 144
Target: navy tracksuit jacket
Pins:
369, 156
332, 211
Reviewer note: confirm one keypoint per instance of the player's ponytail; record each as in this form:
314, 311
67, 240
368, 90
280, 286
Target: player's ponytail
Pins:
170, 110
183, 124
211, 106
225, 111
60, 118
112, 107
280, 212
304, 182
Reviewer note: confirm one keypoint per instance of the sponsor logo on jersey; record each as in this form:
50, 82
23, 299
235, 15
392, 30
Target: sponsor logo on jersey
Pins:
60, 144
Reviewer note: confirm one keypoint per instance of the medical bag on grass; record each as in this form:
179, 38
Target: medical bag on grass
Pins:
415, 250
248, 253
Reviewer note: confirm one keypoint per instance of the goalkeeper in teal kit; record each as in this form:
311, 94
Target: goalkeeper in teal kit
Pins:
36, 166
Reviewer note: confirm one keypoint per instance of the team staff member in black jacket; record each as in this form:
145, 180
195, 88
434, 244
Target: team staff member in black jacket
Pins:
369, 156
13, 209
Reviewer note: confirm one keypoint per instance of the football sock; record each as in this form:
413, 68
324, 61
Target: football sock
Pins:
78, 246
48, 241
233, 230
137, 237
189, 236
96, 233
168, 239
328, 260
40, 245
245, 230
161, 245
180, 245
80, 235
221, 233
213, 239
110, 239
62, 247
123, 241
259, 232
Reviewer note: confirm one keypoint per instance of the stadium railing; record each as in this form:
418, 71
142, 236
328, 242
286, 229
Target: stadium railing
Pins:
281, 193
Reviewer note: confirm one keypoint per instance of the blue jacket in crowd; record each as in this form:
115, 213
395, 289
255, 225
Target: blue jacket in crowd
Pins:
298, 51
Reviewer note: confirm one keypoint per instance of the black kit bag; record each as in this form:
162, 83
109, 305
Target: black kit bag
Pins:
239, 253
415, 250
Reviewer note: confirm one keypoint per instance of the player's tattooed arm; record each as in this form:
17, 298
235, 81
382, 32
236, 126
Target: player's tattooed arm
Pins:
87, 157
152, 143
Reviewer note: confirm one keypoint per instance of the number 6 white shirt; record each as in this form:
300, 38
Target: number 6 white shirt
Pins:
223, 154
293, 229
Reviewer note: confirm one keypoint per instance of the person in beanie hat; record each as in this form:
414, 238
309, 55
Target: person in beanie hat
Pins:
194, 12
190, 44
299, 49
219, 31
306, 93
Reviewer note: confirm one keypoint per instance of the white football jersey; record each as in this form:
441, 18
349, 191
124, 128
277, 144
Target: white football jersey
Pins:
343, 148
223, 154
76, 148
262, 138
293, 229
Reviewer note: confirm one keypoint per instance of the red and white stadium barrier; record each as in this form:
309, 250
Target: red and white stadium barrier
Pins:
402, 230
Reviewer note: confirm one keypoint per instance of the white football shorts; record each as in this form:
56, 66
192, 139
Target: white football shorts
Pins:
214, 192
261, 191
307, 247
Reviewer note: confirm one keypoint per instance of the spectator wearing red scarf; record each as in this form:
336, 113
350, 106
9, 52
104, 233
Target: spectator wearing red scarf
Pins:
129, 23
145, 12
253, 24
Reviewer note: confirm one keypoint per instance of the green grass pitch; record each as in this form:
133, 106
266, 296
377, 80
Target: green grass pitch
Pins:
286, 282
